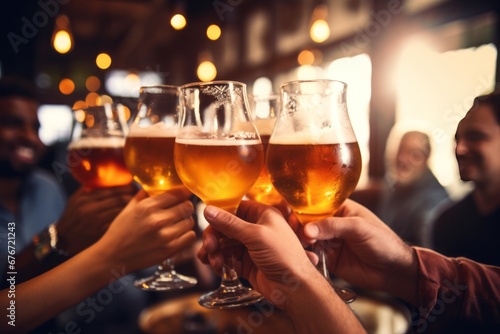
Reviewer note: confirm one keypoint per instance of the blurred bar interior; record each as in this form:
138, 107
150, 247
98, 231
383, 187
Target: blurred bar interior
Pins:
404, 61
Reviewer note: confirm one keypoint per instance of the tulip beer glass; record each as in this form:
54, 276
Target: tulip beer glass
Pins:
218, 155
313, 156
95, 153
149, 155
264, 112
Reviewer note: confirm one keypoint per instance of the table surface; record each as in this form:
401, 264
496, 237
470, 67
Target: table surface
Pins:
184, 315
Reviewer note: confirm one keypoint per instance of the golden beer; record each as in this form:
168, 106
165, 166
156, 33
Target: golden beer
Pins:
317, 183
98, 162
151, 160
219, 172
263, 190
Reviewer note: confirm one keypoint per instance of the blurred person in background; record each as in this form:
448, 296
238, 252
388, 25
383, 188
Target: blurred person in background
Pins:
471, 227
411, 190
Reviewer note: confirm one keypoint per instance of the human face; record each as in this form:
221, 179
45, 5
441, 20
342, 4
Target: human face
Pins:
411, 158
20, 145
478, 146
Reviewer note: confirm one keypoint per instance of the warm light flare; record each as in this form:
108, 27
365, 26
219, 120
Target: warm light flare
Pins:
103, 61
62, 42
178, 22
66, 86
213, 32
206, 71
320, 31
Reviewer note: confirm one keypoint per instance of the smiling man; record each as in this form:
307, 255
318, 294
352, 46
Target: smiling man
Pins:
27, 193
39, 227
471, 227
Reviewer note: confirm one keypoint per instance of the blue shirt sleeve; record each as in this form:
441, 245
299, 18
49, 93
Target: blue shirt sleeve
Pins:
42, 202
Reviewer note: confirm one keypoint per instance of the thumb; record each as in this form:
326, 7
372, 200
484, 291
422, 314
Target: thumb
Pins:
330, 228
226, 223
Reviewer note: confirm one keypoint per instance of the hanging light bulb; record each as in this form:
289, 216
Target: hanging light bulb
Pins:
320, 30
62, 39
178, 22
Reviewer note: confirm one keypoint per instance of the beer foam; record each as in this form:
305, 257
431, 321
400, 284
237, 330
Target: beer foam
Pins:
102, 142
217, 142
265, 126
320, 137
158, 130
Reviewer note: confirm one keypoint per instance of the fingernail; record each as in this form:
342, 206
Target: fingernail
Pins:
210, 212
312, 230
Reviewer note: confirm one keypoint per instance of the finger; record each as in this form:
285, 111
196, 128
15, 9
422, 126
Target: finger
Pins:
211, 239
176, 230
294, 223
202, 255
172, 197
164, 217
216, 261
334, 227
251, 210
232, 226
283, 207
313, 257
182, 242
139, 196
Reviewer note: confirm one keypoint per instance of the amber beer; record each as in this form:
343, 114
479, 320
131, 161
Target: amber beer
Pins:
98, 162
263, 190
317, 183
220, 172
149, 155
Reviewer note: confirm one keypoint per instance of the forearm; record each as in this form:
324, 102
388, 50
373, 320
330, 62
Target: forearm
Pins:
45, 296
314, 307
455, 289
28, 266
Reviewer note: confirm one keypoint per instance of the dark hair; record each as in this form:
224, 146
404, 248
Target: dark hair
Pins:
14, 86
492, 100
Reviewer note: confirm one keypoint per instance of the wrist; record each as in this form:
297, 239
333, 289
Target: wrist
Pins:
47, 246
305, 285
405, 284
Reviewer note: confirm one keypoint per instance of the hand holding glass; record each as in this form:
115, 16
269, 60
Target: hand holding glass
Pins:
149, 153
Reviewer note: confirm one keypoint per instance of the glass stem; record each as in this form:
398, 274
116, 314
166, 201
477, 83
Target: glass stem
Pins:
319, 249
166, 267
229, 276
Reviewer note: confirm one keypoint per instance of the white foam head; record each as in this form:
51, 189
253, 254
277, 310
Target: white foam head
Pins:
217, 142
318, 137
157, 130
97, 142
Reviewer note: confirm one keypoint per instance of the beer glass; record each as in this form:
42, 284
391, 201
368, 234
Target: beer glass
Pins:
149, 155
95, 153
264, 112
218, 155
313, 156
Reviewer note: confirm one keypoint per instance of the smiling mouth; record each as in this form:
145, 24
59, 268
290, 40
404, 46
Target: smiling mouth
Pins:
25, 154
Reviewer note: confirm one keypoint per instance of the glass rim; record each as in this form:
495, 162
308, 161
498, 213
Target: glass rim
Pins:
211, 83
264, 96
95, 107
294, 82
157, 86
